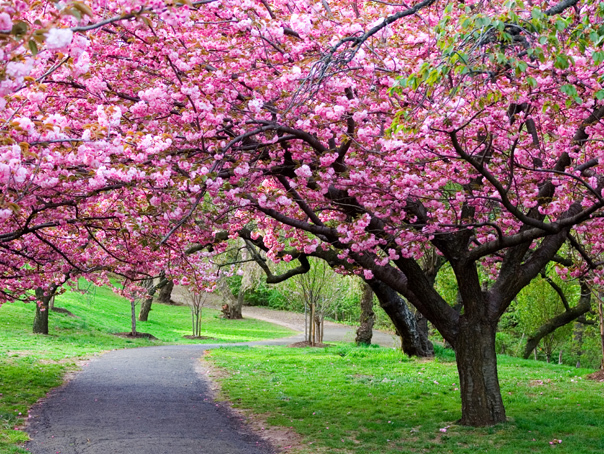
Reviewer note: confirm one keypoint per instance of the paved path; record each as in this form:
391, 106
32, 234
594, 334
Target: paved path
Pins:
154, 400
141, 401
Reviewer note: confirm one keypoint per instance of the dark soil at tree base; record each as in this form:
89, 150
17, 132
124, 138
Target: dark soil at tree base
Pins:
304, 344
597, 376
139, 335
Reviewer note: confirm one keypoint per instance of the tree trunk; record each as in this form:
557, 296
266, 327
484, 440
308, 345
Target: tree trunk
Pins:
133, 316
312, 324
578, 344
481, 402
601, 317
165, 293
42, 309
423, 333
236, 308
232, 311
415, 340
365, 330
143, 314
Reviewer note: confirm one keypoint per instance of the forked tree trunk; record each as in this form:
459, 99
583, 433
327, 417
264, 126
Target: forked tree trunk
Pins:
42, 309
481, 402
365, 329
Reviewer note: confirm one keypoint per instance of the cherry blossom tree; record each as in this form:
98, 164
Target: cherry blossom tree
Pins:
382, 133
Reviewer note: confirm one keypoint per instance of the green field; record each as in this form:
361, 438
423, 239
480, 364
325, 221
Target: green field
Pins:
343, 399
32, 364
375, 401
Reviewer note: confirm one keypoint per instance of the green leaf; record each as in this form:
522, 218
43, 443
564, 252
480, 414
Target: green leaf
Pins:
33, 47
536, 13
569, 90
561, 62
83, 8
19, 28
600, 95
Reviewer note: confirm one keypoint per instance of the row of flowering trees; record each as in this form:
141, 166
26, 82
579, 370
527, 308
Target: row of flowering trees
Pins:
375, 136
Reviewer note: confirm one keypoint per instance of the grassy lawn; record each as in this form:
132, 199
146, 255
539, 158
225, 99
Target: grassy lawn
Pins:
31, 365
373, 400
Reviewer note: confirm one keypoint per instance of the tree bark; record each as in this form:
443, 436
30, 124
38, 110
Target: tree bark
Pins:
365, 329
232, 311
481, 402
143, 314
601, 320
133, 317
579, 329
235, 307
42, 309
415, 340
165, 293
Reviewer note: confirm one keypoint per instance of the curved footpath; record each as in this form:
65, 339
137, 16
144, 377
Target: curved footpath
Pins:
153, 400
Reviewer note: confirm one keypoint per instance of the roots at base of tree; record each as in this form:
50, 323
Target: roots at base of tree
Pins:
198, 337
136, 335
304, 344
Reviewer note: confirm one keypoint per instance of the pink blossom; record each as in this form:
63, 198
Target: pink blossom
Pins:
6, 22
57, 38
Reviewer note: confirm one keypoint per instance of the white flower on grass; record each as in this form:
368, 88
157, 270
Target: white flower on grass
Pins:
57, 38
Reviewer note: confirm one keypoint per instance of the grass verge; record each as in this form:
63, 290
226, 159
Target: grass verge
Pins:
373, 400
31, 365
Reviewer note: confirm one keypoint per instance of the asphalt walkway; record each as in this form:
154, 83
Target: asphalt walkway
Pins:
141, 401
155, 400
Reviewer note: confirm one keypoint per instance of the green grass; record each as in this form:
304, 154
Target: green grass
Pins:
31, 365
373, 400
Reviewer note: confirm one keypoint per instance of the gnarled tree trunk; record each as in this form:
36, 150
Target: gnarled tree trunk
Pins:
414, 339
481, 402
365, 329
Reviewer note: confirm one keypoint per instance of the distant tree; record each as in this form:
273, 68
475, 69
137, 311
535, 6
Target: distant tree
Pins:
365, 329
544, 311
196, 300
